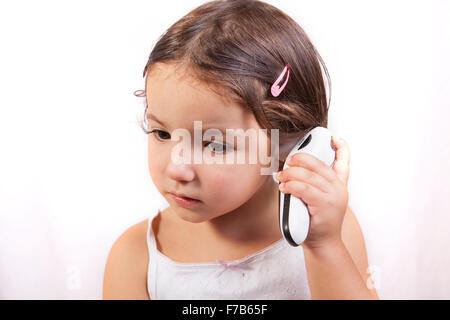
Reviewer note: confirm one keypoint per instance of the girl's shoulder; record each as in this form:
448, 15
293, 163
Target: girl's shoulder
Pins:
126, 267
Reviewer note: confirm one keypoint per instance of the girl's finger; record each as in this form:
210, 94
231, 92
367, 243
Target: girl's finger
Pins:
305, 175
306, 192
312, 163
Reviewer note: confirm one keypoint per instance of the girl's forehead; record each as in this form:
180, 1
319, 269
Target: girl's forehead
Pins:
173, 95
174, 86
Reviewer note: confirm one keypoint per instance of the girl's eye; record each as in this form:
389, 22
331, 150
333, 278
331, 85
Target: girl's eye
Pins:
218, 147
160, 135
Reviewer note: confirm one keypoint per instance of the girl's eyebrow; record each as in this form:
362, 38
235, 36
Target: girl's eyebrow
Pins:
153, 117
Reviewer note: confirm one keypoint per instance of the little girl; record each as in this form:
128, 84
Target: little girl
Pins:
221, 65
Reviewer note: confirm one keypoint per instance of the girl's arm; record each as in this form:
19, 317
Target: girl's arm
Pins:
339, 270
334, 250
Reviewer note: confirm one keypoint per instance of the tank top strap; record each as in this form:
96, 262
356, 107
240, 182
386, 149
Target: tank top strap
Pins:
152, 264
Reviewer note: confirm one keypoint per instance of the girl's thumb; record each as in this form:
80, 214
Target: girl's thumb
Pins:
342, 163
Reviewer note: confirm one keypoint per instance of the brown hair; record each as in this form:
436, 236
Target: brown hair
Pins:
239, 48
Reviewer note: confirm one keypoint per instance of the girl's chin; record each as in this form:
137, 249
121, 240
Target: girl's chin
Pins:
189, 216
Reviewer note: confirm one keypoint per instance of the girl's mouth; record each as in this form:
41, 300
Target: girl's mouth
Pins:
183, 200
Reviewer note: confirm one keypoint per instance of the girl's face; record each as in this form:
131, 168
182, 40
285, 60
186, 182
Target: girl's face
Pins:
177, 101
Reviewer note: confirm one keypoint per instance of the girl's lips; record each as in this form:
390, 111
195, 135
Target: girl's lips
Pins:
180, 195
184, 201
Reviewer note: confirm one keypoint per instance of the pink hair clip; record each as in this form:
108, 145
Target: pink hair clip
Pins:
276, 90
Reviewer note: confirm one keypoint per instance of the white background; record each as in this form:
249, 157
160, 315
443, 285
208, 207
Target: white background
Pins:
73, 160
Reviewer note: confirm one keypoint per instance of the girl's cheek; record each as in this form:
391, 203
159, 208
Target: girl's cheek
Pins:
155, 175
156, 167
230, 182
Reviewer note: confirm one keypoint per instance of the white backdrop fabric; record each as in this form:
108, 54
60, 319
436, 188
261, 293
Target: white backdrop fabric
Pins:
73, 160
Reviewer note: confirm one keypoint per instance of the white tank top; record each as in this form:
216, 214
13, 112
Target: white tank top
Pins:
275, 272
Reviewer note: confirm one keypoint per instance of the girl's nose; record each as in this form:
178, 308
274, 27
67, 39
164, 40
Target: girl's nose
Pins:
180, 172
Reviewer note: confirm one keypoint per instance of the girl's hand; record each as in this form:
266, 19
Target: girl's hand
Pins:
322, 189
